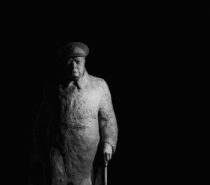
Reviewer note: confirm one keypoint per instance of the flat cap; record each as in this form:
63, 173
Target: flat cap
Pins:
76, 49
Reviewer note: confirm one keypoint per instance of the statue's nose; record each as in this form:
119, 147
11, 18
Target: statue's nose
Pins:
74, 64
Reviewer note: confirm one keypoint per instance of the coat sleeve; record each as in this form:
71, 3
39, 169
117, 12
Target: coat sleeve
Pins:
107, 118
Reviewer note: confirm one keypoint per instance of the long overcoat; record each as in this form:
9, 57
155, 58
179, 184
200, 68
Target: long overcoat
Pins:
71, 129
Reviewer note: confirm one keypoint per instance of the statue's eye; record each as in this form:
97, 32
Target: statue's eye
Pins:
69, 61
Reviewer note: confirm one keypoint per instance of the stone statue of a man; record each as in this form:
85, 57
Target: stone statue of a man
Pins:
76, 127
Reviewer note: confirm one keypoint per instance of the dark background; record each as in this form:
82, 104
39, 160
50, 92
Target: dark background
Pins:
148, 55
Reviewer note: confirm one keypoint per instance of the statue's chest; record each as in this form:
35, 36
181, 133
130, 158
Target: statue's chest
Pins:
79, 104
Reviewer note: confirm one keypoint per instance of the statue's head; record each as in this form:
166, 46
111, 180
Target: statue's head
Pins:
73, 56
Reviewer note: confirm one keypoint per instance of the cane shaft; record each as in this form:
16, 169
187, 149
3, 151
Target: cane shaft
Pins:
105, 175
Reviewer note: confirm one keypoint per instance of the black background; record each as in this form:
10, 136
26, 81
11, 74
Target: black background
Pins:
147, 55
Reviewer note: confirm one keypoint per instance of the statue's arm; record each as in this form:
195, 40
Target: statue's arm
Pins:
107, 118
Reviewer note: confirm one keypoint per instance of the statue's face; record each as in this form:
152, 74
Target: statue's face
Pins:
75, 67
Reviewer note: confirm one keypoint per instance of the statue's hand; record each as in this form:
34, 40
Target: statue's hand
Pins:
107, 152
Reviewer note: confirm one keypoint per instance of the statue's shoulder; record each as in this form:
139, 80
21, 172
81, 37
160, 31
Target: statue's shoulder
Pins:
97, 82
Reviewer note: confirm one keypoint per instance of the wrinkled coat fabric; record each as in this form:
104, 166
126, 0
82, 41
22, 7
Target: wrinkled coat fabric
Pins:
78, 122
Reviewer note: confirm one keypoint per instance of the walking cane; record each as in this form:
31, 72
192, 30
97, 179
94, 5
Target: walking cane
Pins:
106, 161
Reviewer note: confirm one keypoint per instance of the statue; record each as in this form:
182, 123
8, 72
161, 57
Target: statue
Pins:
76, 128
